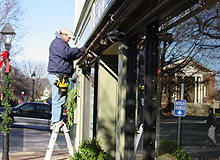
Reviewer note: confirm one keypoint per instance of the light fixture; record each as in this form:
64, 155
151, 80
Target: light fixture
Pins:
7, 35
33, 75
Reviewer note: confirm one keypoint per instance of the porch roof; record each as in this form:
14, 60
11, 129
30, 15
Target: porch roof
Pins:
133, 18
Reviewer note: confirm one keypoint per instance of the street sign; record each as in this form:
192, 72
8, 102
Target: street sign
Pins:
180, 108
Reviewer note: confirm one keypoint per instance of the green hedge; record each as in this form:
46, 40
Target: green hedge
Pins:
172, 147
90, 150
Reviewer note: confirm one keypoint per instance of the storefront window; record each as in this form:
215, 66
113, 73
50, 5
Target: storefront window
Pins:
188, 68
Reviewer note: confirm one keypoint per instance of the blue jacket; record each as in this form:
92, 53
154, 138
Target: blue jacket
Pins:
62, 56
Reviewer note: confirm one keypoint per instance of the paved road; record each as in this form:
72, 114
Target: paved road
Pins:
31, 139
193, 136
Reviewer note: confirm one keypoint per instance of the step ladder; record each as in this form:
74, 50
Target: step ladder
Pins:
59, 126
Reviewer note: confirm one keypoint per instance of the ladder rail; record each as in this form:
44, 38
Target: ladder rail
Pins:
50, 148
53, 139
68, 141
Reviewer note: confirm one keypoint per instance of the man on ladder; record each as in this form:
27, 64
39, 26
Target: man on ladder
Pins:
60, 68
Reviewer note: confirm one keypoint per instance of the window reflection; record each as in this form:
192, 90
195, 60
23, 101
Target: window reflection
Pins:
188, 69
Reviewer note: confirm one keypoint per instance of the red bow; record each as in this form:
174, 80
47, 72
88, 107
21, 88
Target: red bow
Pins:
158, 71
4, 55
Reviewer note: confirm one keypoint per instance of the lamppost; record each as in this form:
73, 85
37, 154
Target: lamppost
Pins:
33, 78
7, 34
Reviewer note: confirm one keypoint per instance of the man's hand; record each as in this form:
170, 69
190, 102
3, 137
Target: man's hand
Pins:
82, 49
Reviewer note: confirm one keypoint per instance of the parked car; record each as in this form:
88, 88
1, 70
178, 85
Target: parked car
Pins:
32, 113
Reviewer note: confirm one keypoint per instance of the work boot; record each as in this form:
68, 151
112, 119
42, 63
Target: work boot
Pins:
53, 126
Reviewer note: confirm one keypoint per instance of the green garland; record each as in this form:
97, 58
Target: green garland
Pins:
71, 106
7, 106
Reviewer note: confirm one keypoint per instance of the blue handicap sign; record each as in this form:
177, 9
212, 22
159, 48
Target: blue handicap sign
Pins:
180, 108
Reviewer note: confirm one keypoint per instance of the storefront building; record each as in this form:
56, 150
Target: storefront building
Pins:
118, 81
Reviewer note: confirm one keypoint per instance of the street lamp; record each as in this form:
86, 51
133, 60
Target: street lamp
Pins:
7, 34
33, 78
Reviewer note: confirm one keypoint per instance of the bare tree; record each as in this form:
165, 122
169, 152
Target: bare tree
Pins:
12, 11
26, 68
20, 83
195, 39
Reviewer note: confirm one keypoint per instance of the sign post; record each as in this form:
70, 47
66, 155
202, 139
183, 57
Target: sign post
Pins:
180, 111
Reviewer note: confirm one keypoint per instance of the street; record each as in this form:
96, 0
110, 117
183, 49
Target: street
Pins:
28, 139
193, 137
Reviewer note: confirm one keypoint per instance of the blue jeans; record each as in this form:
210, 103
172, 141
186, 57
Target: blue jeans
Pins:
57, 102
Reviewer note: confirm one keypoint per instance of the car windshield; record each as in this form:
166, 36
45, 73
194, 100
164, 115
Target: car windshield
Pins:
19, 105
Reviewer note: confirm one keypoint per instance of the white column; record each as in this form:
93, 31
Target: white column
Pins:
199, 90
195, 98
202, 93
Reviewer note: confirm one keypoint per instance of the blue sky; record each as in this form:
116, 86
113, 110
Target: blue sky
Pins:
44, 18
